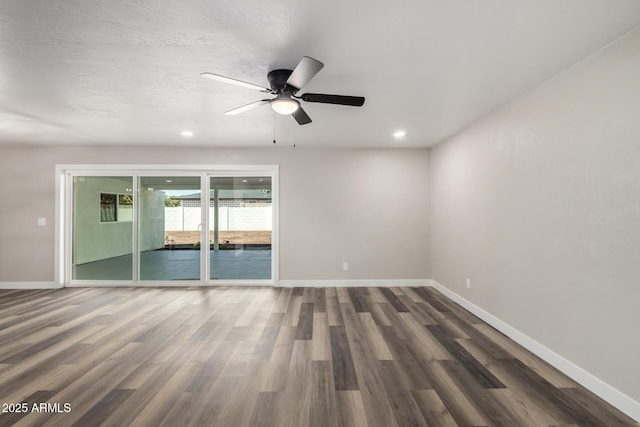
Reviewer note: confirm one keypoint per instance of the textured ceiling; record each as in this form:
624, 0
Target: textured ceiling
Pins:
127, 72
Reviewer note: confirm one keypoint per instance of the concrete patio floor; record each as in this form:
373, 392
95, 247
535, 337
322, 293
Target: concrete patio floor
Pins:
244, 264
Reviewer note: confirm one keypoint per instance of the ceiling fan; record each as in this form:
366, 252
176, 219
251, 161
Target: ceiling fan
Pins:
285, 84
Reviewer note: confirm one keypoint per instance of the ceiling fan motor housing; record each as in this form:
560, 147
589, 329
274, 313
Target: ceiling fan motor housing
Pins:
278, 81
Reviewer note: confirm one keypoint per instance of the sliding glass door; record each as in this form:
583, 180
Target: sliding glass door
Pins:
170, 228
240, 221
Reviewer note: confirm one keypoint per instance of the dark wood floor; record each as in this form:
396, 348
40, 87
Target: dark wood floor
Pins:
273, 357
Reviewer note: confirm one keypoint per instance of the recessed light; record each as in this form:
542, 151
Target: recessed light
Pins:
186, 133
399, 134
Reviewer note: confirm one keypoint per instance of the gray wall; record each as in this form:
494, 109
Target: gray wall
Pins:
539, 204
367, 207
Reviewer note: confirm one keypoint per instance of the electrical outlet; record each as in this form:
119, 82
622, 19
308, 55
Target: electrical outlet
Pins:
345, 266
42, 222
468, 283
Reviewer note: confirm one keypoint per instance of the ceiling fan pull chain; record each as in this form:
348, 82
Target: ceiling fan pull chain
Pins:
274, 128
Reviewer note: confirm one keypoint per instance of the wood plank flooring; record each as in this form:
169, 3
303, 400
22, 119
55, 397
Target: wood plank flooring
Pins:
272, 357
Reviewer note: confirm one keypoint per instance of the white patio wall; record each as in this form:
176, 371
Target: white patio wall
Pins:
231, 218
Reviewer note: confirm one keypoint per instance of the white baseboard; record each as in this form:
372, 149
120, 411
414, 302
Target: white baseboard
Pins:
606, 392
29, 285
352, 283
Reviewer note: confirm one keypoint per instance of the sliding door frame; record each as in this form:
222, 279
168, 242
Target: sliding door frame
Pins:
64, 219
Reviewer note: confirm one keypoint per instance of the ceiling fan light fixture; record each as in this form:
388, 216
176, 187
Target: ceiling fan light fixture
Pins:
285, 106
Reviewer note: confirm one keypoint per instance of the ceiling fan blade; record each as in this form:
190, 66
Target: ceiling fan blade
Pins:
304, 71
301, 116
234, 82
355, 101
248, 107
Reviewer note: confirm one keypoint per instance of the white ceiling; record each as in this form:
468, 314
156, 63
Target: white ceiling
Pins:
127, 72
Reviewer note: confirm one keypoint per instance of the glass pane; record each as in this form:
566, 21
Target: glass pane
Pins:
169, 224
240, 213
102, 228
